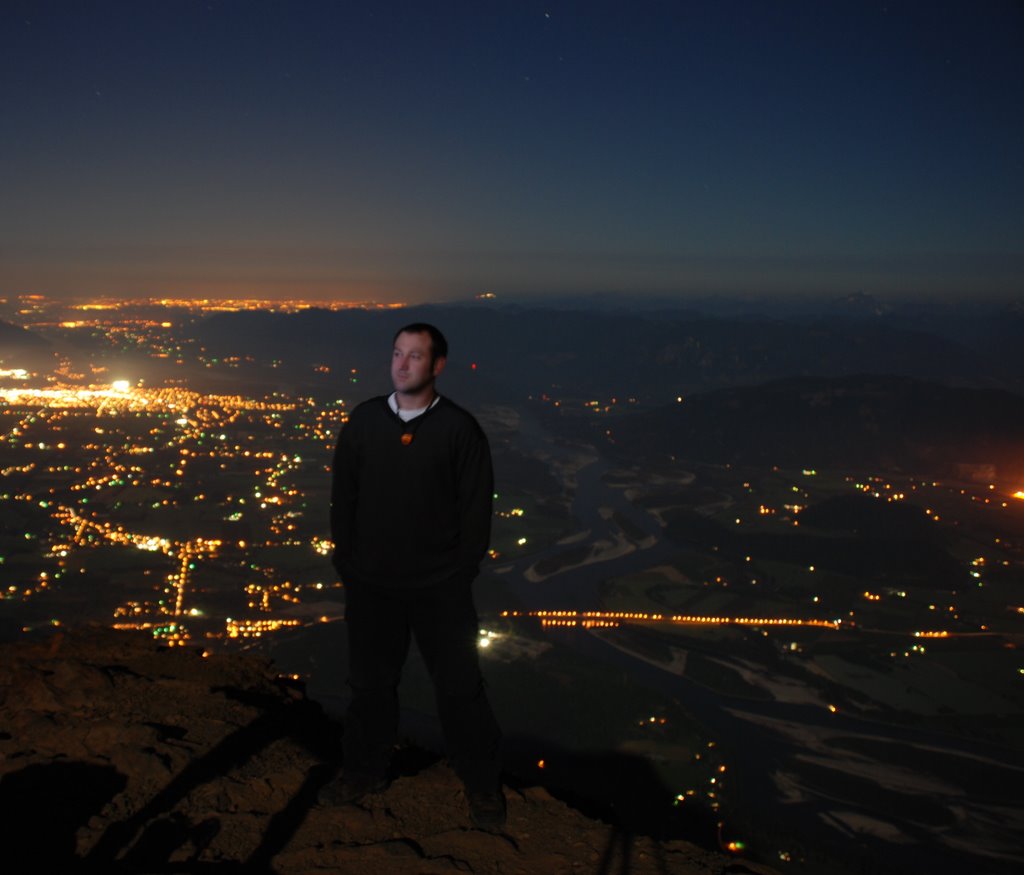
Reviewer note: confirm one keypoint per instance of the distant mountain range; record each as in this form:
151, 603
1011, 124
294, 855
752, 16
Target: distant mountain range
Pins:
20, 348
837, 391
653, 356
867, 422
15, 335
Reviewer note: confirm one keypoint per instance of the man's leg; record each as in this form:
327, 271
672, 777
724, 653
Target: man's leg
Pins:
378, 642
445, 624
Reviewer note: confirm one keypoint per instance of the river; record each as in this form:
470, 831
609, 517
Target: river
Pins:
876, 822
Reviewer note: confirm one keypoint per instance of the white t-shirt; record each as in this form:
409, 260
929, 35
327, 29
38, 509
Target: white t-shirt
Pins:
404, 414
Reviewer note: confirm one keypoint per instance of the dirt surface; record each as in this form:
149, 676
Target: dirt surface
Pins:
130, 757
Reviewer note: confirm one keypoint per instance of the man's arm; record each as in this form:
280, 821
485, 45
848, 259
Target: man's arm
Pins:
344, 494
475, 496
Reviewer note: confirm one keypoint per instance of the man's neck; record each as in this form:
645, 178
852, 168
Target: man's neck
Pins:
418, 401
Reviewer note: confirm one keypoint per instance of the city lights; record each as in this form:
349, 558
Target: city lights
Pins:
126, 464
592, 619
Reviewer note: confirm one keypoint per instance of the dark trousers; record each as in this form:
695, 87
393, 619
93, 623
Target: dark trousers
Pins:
443, 621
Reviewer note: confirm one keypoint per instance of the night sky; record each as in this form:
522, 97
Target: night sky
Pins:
412, 151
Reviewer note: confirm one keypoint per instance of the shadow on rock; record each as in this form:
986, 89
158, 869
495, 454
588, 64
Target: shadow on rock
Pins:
619, 789
53, 800
156, 834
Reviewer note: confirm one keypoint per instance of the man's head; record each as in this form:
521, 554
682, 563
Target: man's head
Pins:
418, 356
438, 344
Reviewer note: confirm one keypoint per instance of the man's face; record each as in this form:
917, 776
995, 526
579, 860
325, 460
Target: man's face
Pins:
413, 367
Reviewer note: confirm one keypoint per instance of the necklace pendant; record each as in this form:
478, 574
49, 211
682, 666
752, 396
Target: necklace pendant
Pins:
406, 439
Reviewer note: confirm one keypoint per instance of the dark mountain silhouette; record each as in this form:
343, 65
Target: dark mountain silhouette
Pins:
575, 354
14, 336
21, 348
995, 329
880, 423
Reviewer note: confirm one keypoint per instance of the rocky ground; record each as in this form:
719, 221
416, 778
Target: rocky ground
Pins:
117, 755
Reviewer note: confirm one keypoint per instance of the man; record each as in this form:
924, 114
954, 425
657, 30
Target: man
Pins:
410, 517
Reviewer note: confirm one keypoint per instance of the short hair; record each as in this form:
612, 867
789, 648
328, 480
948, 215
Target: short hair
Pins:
438, 345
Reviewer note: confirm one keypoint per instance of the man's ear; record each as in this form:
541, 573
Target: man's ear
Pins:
439, 364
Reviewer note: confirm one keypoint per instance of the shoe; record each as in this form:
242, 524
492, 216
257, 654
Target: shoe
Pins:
487, 809
350, 789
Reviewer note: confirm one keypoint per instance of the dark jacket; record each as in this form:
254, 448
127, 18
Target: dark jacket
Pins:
414, 511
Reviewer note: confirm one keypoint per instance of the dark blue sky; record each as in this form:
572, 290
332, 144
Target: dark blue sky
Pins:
433, 150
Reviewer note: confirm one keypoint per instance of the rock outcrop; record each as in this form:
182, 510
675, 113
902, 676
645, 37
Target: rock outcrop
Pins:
117, 755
